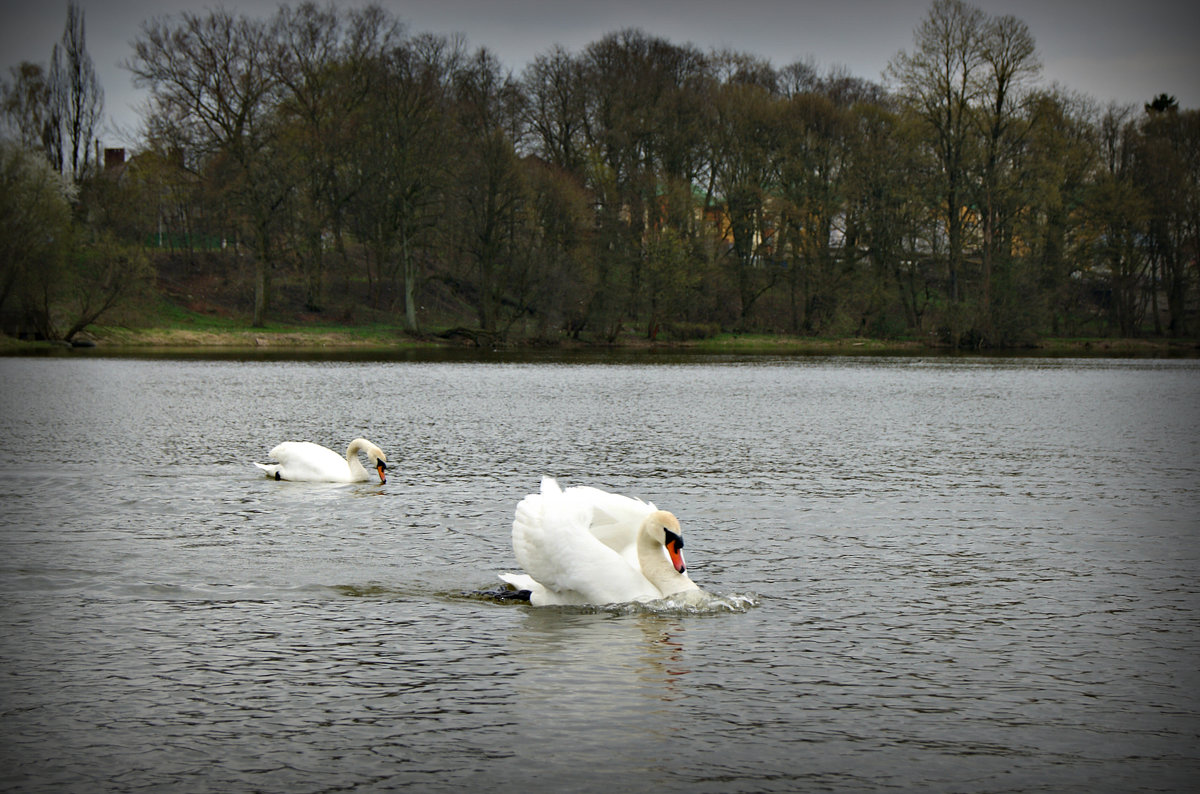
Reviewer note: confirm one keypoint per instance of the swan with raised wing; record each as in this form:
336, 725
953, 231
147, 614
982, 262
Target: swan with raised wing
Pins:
304, 461
587, 546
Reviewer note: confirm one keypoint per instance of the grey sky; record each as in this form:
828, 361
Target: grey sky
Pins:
1111, 50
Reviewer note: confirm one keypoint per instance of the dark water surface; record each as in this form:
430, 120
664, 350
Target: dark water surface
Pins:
967, 575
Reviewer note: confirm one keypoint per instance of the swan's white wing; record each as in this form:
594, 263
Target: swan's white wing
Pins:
305, 461
614, 520
553, 544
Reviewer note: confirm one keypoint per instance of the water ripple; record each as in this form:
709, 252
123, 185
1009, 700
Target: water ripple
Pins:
968, 576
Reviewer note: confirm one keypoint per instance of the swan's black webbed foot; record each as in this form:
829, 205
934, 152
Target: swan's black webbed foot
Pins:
277, 477
506, 594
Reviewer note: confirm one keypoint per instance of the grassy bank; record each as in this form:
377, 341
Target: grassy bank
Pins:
270, 336
731, 343
187, 331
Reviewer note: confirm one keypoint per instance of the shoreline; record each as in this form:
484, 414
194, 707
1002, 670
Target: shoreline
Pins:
384, 340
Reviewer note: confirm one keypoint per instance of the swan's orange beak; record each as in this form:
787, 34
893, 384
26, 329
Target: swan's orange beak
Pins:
381, 467
675, 551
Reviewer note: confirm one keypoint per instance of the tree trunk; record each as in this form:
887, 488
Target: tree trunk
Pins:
262, 282
410, 284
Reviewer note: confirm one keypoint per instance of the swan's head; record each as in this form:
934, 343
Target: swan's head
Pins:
379, 462
665, 529
373, 453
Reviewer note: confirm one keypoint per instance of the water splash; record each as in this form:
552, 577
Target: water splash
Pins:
696, 602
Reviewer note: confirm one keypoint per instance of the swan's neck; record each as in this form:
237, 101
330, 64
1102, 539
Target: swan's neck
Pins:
356, 467
657, 567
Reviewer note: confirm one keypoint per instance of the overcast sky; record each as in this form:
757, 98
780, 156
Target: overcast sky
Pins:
1111, 50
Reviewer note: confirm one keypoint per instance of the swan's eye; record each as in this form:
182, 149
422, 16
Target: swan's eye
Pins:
673, 538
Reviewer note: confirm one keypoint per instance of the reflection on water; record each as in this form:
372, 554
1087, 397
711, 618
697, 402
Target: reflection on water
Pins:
594, 690
928, 574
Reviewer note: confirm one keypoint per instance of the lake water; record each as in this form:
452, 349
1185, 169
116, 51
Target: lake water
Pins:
958, 575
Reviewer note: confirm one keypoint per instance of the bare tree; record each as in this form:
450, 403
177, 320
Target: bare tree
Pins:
939, 81
402, 150
490, 185
556, 115
327, 63
76, 98
1116, 213
213, 91
1168, 173
747, 131
1010, 56
645, 137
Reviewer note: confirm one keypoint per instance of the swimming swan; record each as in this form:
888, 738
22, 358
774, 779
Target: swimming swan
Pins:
304, 461
587, 546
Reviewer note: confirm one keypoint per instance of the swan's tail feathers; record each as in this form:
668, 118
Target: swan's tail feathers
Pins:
272, 469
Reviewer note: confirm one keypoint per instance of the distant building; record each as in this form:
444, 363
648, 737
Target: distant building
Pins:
113, 158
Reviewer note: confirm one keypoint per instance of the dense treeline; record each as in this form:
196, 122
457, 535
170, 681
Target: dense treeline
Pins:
643, 185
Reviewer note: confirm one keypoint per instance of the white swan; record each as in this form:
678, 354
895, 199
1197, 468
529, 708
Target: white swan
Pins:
587, 546
304, 461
